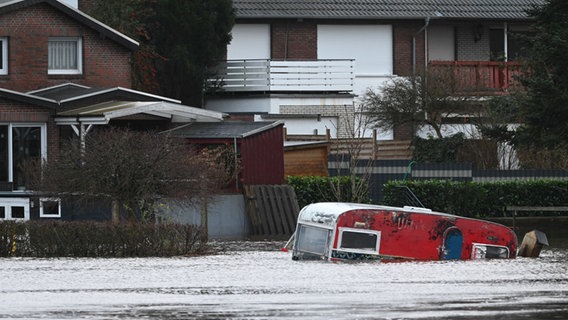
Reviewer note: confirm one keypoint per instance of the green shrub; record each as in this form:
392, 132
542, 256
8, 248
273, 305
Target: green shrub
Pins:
96, 239
480, 199
312, 189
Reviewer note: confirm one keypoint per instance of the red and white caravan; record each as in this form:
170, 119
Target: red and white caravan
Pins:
349, 231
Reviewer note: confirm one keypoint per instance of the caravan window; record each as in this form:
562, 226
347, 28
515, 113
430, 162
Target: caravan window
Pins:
486, 251
312, 240
359, 240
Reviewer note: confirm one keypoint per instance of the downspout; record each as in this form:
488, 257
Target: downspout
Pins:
286, 40
426, 23
236, 163
506, 43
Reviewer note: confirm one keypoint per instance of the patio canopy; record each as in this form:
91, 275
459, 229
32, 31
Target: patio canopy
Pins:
102, 113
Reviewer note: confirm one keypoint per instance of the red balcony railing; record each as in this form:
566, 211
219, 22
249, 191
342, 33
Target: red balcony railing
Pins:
480, 77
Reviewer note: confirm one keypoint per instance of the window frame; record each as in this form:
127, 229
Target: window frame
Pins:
79, 43
479, 251
376, 233
43, 146
42, 213
9, 203
4, 48
305, 241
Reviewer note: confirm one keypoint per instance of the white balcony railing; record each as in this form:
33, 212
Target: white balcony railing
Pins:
270, 75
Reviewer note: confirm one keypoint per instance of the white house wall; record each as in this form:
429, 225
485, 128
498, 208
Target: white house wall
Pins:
310, 126
248, 104
470, 131
72, 3
370, 45
250, 41
441, 43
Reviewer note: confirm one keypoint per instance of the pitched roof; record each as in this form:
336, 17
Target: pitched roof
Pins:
106, 31
222, 130
384, 9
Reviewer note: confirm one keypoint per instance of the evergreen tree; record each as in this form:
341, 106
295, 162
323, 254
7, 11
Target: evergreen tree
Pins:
179, 41
545, 111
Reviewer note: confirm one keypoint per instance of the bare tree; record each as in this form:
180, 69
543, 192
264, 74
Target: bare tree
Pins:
416, 101
133, 170
353, 158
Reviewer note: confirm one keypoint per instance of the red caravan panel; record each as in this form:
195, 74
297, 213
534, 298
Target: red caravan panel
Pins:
418, 235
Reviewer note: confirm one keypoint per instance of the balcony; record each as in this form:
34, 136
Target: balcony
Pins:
284, 76
480, 77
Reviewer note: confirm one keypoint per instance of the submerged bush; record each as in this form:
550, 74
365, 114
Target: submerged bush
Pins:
96, 239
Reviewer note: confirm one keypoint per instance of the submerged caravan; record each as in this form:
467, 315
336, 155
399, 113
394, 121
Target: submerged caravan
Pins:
349, 231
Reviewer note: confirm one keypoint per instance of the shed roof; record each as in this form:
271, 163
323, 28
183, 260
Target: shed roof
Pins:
106, 31
223, 130
385, 9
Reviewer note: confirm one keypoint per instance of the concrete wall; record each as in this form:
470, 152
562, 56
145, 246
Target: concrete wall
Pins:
227, 217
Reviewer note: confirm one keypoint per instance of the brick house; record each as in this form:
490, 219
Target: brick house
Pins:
307, 62
61, 73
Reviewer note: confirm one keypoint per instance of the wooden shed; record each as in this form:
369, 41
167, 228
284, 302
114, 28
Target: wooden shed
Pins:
259, 146
306, 158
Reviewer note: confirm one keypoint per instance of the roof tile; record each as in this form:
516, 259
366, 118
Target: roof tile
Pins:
385, 9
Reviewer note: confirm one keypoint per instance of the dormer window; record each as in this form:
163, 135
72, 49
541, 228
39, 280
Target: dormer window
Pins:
3, 55
65, 55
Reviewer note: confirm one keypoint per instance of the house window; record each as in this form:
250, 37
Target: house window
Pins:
65, 56
3, 55
19, 143
49, 208
14, 209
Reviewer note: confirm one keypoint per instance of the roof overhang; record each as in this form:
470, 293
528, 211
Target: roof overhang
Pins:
103, 113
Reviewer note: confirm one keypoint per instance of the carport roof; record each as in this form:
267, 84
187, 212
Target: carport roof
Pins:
102, 113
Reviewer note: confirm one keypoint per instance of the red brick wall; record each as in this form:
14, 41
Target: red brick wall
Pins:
402, 38
294, 40
105, 63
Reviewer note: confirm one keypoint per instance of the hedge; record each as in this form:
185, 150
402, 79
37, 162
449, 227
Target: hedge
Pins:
312, 189
480, 199
96, 239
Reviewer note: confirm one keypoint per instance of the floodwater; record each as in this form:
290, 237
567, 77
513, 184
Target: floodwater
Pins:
264, 283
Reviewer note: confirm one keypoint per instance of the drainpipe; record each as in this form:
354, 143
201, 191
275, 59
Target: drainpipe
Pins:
236, 163
426, 23
506, 43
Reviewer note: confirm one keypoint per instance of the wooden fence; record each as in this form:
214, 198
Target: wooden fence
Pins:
272, 210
